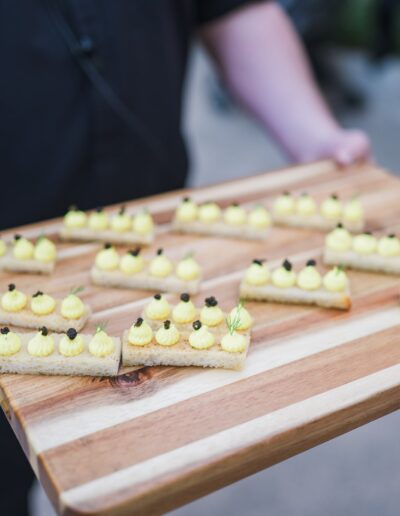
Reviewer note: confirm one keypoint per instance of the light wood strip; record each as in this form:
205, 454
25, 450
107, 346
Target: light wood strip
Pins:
128, 481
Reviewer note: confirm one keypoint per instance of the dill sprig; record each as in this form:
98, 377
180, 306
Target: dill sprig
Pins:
76, 290
233, 323
101, 326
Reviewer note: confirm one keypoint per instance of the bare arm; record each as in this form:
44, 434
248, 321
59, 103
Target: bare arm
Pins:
265, 67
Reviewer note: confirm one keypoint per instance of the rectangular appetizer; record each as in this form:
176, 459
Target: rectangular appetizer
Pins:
71, 354
18, 309
134, 272
305, 213
363, 251
185, 313
98, 226
202, 346
24, 256
209, 219
307, 286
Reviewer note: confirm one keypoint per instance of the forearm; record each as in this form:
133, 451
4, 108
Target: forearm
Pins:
264, 66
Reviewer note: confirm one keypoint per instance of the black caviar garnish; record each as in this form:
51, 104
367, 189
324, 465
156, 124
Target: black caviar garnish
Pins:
5, 330
259, 261
11, 287
139, 322
135, 252
285, 193
369, 233
339, 225
71, 333
157, 296
211, 301
196, 325
17, 237
392, 235
235, 204
287, 265
167, 325
185, 297
122, 210
334, 196
44, 331
160, 251
107, 245
186, 199
38, 293
311, 263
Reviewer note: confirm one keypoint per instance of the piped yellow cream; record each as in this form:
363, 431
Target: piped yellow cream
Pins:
121, 222
365, 244
235, 215
160, 266
71, 344
209, 212
309, 278
140, 333
284, 204
42, 304
201, 337
10, 342
211, 314
335, 280
14, 300
101, 344
389, 246
257, 274
187, 210
99, 220
167, 334
107, 259
353, 211
143, 223
72, 306
132, 263
188, 269
331, 208
158, 309
339, 239
234, 342
259, 217
42, 344
23, 248
75, 218
45, 250
284, 276
306, 205
3, 247
185, 311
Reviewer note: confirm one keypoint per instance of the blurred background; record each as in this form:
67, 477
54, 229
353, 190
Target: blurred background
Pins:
355, 53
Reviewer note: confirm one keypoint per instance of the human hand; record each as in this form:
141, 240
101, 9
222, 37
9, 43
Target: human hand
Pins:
344, 146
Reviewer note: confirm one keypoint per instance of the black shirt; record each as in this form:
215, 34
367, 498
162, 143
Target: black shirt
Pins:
60, 141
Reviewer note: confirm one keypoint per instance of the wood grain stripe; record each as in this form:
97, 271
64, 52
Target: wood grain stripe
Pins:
179, 461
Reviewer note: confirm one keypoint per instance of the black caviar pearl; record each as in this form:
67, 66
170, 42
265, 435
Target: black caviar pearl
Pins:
11, 287
287, 265
5, 330
160, 251
122, 210
44, 331
17, 237
258, 262
334, 196
157, 296
107, 245
38, 293
196, 325
71, 333
186, 199
367, 233
167, 325
211, 301
185, 297
392, 235
139, 322
135, 252
339, 225
311, 263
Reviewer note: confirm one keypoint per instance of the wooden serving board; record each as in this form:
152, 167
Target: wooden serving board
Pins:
155, 438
